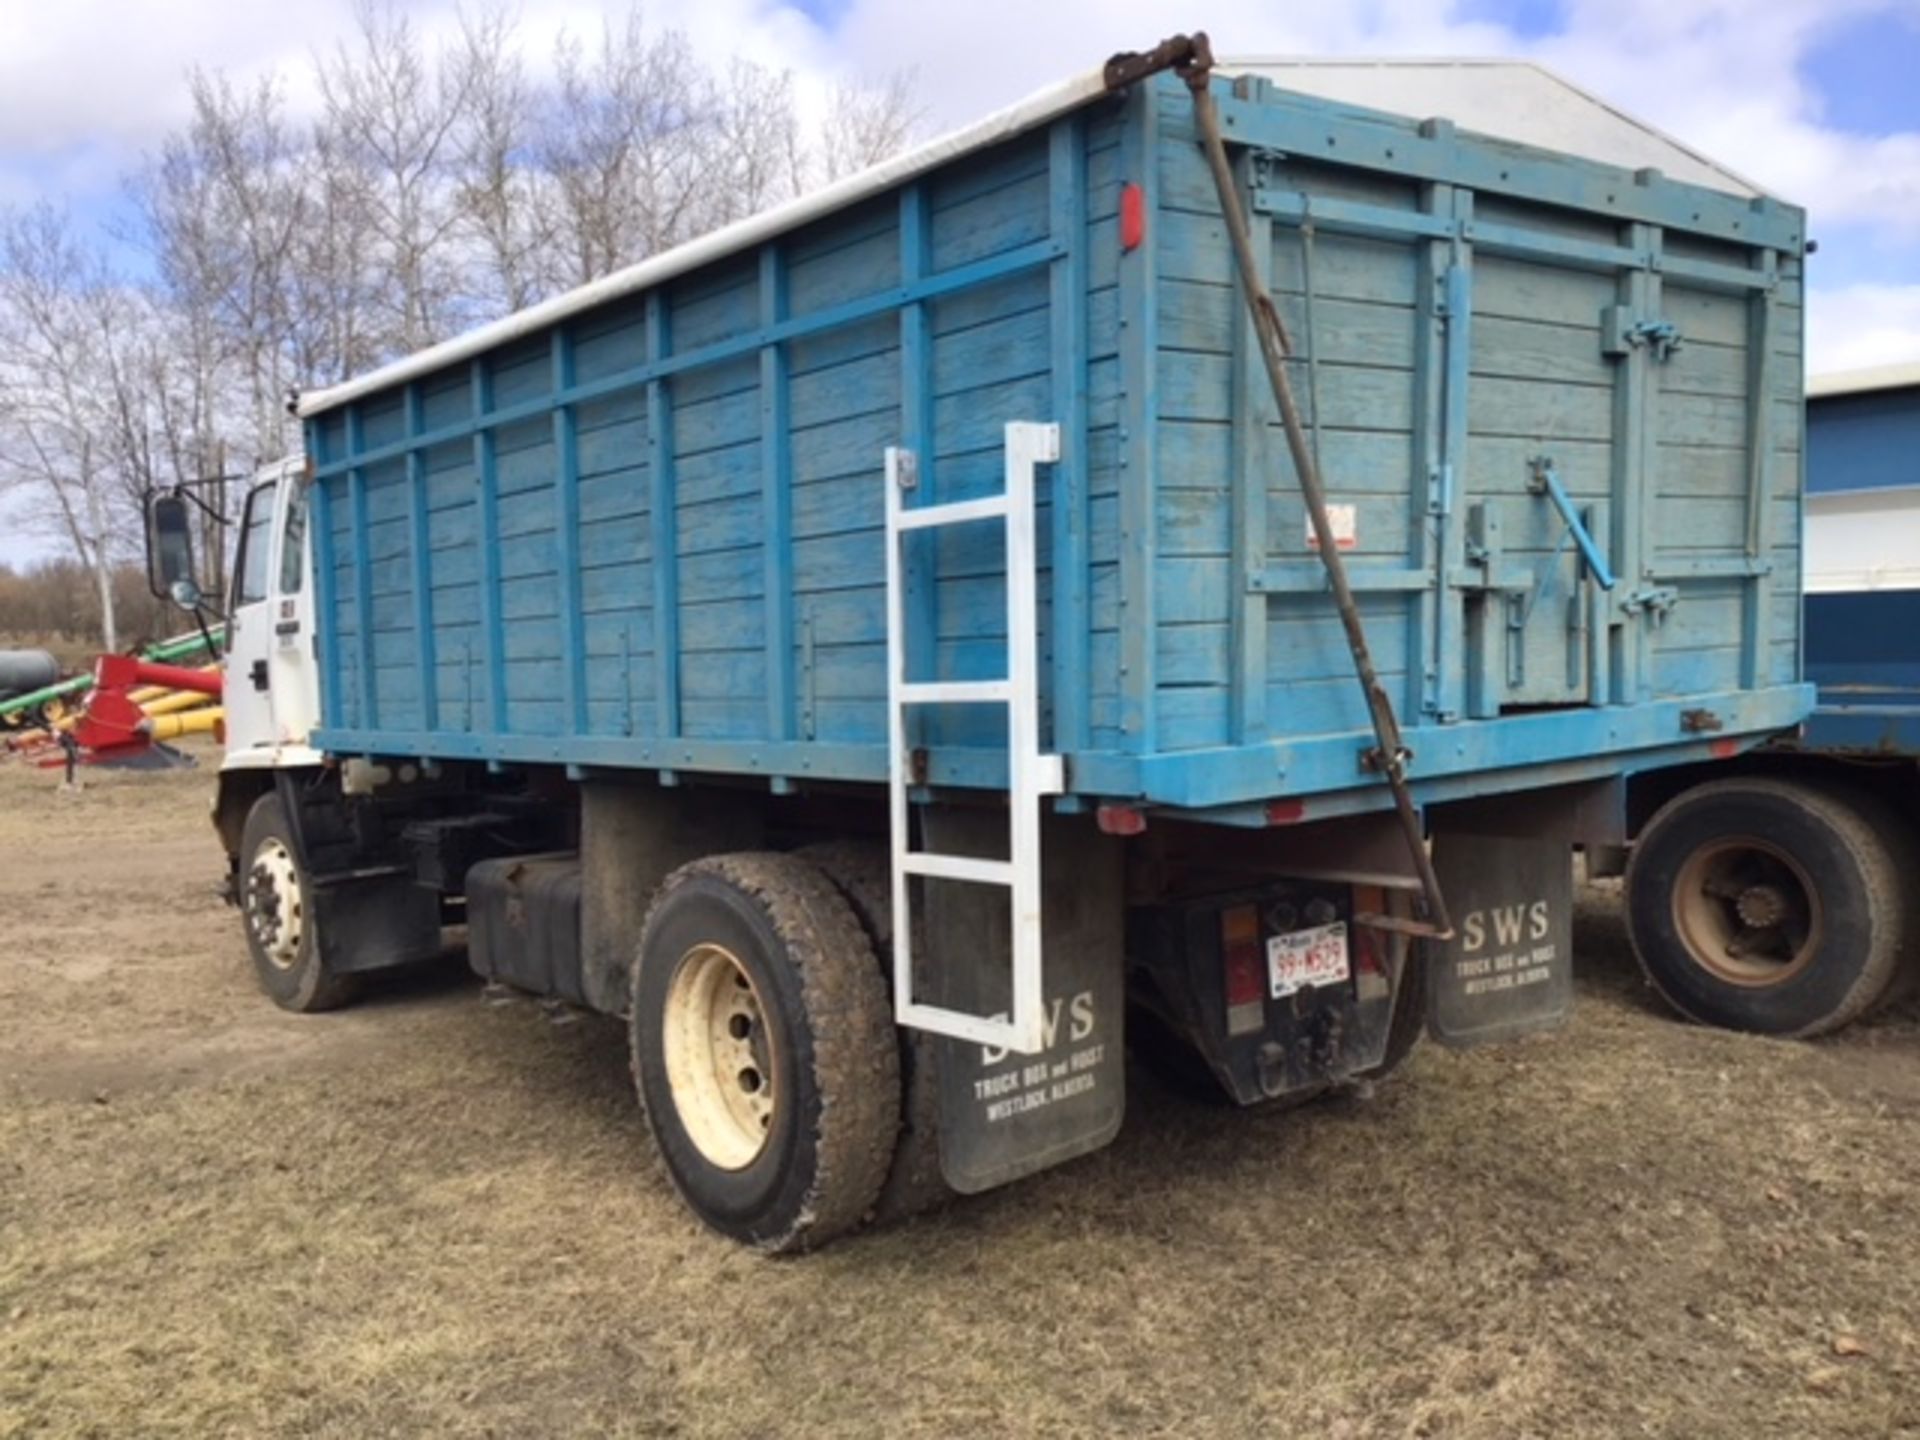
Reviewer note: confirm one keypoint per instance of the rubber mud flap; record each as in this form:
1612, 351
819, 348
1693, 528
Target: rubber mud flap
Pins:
1005, 1115
1508, 970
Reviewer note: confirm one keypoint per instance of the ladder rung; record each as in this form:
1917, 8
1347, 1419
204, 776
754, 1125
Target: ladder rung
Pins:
954, 512
957, 867
955, 692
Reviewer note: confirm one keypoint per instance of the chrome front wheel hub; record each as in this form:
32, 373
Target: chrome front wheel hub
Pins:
276, 906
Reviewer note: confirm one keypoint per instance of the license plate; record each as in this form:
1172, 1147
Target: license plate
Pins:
1306, 958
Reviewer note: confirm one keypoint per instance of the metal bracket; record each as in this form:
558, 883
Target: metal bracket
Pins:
1655, 600
1543, 480
1621, 332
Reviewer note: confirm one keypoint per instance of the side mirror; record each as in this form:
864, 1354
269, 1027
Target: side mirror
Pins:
171, 574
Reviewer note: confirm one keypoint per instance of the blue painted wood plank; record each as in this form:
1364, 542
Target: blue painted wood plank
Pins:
566, 524
1140, 410
776, 538
663, 506
1067, 341
1249, 465
490, 679
362, 578
419, 540
884, 302
918, 432
1458, 392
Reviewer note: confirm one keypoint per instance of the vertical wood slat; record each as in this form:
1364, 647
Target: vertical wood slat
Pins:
1139, 429
422, 557
1756, 629
776, 488
1068, 281
362, 573
666, 542
486, 481
1251, 465
1426, 521
1632, 473
1450, 658
566, 529
918, 552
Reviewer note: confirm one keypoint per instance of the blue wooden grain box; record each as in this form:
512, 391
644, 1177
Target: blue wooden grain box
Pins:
649, 533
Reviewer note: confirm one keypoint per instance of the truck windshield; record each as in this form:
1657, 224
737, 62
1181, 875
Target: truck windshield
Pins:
254, 537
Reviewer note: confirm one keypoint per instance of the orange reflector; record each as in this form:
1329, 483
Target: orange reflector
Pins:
1240, 924
220, 731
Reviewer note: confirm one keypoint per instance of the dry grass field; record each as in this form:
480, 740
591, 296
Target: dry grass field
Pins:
431, 1216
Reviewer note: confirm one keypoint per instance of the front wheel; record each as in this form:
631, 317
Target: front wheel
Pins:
1769, 906
763, 1050
276, 908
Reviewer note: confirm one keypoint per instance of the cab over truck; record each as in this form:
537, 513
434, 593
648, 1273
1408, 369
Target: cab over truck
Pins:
899, 652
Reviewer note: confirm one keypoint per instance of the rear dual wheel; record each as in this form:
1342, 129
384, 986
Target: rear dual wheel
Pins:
763, 1050
1771, 906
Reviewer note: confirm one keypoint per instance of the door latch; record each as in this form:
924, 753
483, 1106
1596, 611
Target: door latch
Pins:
1622, 332
258, 674
1654, 600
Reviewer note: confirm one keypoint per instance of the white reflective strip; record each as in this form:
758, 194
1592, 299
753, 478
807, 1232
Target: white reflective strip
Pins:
970, 868
954, 512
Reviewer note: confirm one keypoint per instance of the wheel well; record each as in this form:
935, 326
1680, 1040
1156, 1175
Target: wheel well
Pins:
1895, 778
238, 791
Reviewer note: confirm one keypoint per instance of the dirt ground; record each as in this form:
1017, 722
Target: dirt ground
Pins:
428, 1215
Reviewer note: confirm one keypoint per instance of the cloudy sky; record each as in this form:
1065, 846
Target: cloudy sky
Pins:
1816, 100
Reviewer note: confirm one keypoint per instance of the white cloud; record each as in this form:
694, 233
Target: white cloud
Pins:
1859, 325
91, 83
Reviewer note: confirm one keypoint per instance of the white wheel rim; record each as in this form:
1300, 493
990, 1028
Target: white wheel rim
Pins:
276, 907
719, 1056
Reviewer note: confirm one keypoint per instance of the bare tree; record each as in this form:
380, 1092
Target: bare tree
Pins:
866, 124
392, 114
623, 142
438, 185
60, 440
502, 196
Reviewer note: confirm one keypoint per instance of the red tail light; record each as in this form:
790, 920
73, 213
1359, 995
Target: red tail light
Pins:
1240, 949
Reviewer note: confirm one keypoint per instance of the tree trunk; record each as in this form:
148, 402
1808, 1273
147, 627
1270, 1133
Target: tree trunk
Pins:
102, 572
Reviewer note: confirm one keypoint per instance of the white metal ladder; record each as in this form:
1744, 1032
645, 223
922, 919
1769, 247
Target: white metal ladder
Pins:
1030, 774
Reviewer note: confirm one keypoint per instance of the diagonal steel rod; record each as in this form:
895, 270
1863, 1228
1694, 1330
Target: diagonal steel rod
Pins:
1391, 755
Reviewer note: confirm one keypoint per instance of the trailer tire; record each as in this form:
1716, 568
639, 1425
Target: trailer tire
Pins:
1770, 906
914, 1183
756, 1002
277, 914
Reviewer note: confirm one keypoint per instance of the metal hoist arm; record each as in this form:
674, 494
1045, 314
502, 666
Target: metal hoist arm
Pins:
1390, 754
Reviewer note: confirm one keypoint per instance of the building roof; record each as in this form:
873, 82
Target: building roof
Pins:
1861, 382
1513, 100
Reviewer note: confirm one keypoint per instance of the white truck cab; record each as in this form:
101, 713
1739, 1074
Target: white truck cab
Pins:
272, 690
